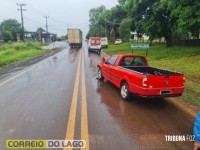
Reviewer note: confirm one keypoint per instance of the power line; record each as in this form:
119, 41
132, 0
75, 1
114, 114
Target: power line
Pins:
58, 20
22, 19
39, 23
61, 29
37, 11
41, 13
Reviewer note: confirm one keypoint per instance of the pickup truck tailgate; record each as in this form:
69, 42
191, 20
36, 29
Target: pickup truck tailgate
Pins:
165, 85
165, 81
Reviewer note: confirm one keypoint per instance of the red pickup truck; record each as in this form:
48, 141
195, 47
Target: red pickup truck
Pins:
132, 74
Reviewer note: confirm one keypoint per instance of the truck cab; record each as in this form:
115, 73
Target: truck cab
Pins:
94, 44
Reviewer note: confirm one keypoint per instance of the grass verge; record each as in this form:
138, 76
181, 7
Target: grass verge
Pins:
181, 59
19, 52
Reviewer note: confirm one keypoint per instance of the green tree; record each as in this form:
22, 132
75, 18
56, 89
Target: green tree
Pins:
124, 29
7, 36
117, 14
10, 29
40, 30
156, 20
122, 2
102, 20
94, 28
130, 6
187, 15
170, 19
111, 19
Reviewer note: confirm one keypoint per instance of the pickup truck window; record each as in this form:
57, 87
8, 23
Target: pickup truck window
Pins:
112, 60
133, 61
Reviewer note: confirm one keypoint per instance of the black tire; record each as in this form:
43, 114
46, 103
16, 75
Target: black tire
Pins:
99, 52
100, 77
124, 91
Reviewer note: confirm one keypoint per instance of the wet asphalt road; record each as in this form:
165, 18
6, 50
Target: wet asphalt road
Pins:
36, 103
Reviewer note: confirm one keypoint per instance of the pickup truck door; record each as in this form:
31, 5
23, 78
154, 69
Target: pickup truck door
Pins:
115, 75
116, 71
106, 68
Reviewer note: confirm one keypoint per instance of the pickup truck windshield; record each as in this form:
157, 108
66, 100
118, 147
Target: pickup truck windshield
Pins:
133, 61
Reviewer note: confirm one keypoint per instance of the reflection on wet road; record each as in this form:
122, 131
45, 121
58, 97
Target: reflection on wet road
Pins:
36, 105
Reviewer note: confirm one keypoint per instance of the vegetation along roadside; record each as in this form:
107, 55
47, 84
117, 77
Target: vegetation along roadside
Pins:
16, 52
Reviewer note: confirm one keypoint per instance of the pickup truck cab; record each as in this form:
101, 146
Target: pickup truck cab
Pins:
132, 74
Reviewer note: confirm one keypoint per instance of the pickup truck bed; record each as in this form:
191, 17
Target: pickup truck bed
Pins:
147, 71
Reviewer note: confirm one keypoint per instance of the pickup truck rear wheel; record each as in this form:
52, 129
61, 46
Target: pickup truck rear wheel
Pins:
100, 74
124, 91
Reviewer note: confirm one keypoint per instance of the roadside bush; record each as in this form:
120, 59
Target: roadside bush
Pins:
9, 52
19, 51
5, 47
34, 45
19, 46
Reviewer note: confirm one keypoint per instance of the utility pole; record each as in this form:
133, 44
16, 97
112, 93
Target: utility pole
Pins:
22, 19
47, 36
105, 29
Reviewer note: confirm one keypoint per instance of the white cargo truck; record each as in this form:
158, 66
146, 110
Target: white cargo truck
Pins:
74, 38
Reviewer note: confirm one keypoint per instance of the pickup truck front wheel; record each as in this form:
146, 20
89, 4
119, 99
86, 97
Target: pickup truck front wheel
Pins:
100, 77
124, 91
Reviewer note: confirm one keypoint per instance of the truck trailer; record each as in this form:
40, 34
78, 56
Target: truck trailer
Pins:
74, 38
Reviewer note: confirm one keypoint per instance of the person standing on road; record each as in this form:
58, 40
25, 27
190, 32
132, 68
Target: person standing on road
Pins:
197, 132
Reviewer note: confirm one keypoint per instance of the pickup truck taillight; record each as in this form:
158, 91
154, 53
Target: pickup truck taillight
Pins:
183, 80
144, 82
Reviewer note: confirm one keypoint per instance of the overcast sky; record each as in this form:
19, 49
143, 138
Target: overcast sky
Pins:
62, 13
